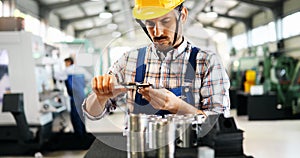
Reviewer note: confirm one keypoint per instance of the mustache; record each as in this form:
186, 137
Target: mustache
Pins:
160, 38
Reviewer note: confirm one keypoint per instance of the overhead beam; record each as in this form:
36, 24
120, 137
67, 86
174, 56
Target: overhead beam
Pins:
83, 10
233, 7
66, 22
210, 25
269, 5
44, 10
198, 7
64, 4
217, 28
79, 31
234, 17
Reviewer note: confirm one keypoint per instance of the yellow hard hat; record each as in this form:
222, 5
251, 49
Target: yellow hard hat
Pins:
150, 9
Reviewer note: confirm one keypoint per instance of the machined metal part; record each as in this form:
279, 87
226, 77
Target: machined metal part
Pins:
186, 133
157, 136
136, 135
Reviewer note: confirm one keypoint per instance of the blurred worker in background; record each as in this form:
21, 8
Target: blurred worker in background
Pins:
184, 79
4, 78
71, 68
75, 79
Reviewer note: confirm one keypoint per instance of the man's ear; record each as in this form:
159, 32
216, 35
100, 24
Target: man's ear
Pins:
184, 14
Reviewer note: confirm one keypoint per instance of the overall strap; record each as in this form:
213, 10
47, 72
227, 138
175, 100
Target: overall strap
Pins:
140, 65
140, 74
191, 67
187, 91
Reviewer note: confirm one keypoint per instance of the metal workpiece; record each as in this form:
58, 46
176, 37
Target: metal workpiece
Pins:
154, 136
165, 137
152, 131
136, 135
138, 122
161, 134
186, 133
186, 128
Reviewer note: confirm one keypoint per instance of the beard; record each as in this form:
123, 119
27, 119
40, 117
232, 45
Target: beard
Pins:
162, 44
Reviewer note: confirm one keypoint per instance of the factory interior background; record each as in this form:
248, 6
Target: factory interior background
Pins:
257, 41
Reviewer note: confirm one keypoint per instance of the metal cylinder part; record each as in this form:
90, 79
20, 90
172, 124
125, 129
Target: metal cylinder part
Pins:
137, 128
154, 136
163, 138
186, 133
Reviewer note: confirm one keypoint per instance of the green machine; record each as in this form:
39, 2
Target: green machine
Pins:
277, 72
282, 75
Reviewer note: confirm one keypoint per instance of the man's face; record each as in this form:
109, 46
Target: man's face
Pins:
67, 63
162, 30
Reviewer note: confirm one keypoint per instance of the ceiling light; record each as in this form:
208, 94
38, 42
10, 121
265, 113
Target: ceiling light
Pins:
112, 26
105, 15
211, 13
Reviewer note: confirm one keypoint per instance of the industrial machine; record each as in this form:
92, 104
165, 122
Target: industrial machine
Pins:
284, 77
278, 74
29, 99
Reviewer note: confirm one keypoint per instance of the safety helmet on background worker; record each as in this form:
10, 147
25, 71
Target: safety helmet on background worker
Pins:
150, 9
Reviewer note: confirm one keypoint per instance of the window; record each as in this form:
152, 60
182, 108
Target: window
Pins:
54, 35
5, 9
291, 25
1, 10
240, 41
31, 24
263, 34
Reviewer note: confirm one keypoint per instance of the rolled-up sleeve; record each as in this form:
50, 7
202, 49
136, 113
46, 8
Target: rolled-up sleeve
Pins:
215, 86
91, 100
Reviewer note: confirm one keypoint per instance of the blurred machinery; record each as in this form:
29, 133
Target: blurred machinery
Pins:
284, 78
277, 74
31, 98
29, 72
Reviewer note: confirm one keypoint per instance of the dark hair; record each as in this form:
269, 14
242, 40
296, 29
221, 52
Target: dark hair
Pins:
69, 59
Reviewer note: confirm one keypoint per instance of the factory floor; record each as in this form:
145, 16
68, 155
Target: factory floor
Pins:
262, 139
270, 139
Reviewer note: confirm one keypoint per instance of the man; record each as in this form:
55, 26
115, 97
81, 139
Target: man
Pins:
70, 69
184, 79
75, 79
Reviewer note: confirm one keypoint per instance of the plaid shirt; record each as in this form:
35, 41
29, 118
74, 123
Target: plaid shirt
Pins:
210, 87
211, 84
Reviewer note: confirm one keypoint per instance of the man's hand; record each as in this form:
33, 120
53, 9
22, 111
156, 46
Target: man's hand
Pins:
164, 99
104, 87
161, 99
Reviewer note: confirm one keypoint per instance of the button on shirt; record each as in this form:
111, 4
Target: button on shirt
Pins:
211, 84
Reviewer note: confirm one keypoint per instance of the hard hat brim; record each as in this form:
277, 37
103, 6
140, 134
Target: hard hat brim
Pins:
146, 13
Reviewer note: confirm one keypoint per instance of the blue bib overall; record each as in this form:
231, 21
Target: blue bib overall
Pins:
185, 91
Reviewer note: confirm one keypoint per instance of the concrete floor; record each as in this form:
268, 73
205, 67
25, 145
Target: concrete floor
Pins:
262, 139
270, 139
